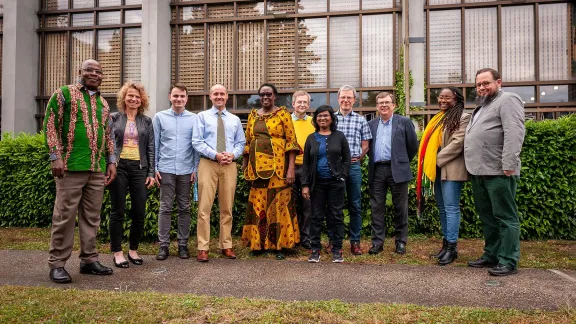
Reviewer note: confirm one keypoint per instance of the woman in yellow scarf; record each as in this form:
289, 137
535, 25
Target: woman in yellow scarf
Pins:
441, 168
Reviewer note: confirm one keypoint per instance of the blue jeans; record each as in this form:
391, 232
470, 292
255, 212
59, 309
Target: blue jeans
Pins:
447, 194
354, 193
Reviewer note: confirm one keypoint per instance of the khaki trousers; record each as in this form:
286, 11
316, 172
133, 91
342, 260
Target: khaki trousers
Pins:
78, 192
212, 176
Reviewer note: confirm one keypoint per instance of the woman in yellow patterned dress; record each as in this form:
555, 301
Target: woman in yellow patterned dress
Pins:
268, 163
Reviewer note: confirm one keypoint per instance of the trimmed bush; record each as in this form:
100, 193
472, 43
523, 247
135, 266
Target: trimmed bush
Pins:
546, 195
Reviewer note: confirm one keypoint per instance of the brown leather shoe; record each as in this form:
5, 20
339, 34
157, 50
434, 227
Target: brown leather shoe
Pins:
228, 253
355, 248
202, 256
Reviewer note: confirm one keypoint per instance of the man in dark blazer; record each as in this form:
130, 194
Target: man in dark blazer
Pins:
393, 145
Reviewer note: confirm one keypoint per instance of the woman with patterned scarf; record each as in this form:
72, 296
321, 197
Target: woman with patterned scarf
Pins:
441, 168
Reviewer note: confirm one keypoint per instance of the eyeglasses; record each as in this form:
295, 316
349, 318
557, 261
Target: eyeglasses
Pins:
300, 102
485, 84
266, 94
92, 71
385, 103
445, 98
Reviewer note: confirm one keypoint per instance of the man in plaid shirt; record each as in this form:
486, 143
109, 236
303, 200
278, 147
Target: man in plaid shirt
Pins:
357, 132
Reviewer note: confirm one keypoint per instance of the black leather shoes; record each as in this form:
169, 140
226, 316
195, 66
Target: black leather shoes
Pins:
183, 252
124, 264
375, 249
60, 275
502, 270
400, 248
163, 253
481, 263
135, 261
306, 245
95, 268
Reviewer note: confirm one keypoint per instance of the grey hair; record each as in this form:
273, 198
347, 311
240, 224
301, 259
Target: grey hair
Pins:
348, 88
298, 94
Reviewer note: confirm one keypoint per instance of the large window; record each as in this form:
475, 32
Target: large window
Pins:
72, 31
532, 45
297, 44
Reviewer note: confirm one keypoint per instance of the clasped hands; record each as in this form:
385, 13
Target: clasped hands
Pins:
224, 158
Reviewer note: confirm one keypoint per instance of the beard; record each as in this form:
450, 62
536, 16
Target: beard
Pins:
484, 100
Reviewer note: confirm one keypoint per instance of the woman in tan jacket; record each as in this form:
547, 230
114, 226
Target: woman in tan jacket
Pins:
441, 167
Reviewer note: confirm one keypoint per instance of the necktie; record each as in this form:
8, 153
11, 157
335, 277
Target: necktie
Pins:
221, 135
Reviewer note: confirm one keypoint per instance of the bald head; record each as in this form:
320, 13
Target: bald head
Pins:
219, 96
91, 74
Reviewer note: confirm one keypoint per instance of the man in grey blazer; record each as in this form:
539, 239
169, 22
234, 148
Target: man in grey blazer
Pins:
492, 147
393, 145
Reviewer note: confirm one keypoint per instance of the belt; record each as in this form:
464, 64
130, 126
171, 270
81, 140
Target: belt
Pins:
207, 158
385, 162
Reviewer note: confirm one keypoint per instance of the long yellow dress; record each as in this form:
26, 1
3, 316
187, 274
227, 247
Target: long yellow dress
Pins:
271, 222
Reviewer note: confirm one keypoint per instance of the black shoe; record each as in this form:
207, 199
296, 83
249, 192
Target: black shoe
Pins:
442, 250
280, 255
60, 275
481, 263
163, 253
255, 253
314, 256
450, 255
183, 252
400, 248
135, 261
95, 268
306, 245
123, 264
502, 270
375, 249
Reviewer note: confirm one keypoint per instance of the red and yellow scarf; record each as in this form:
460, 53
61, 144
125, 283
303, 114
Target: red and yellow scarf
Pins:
427, 152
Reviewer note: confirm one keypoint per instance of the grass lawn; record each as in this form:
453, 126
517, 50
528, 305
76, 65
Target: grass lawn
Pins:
534, 254
40, 304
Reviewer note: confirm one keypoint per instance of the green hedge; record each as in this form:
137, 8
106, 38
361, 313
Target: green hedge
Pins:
546, 195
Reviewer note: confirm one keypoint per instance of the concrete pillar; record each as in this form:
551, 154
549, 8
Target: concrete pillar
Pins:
20, 66
156, 47
416, 57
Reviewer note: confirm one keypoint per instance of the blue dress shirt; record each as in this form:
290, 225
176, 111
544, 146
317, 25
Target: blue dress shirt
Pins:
383, 141
205, 133
173, 137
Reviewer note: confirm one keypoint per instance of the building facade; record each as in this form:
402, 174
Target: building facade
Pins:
313, 45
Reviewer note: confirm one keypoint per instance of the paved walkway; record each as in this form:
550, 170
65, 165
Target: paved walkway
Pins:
297, 280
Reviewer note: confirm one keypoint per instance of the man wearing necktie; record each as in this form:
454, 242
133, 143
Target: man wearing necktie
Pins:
219, 138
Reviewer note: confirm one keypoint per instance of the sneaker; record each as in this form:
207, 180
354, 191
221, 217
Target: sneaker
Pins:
337, 257
314, 256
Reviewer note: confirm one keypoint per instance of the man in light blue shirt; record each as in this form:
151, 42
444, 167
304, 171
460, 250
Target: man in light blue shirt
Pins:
176, 165
382, 147
219, 138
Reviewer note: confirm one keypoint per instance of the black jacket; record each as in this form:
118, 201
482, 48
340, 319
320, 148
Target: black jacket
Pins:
145, 139
338, 153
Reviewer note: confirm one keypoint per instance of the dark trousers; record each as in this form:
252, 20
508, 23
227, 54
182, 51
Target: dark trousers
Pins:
174, 185
378, 191
303, 206
327, 203
494, 199
130, 178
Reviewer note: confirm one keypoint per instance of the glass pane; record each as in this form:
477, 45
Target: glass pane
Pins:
82, 49
250, 55
83, 19
109, 18
284, 100
275, 6
334, 101
554, 93
133, 16
445, 47
221, 11
109, 56
250, 9
112, 104
82, 4
441, 2
481, 41
377, 50
56, 61
471, 96
344, 5
191, 57
528, 94
434, 93
518, 43
307, 6
317, 100
220, 48
376, 4
132, 2
369, 98
132, 54
282, 53
191, 13
344, 52
553, 45
312, 53
247, 101
56, 4
195, 103
109, 3
59, 21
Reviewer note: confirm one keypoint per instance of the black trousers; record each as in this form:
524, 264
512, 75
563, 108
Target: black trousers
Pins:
129, 178
327, 204
378, 191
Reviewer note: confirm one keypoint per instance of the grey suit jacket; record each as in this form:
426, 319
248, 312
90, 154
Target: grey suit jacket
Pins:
494, 138
404, 148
